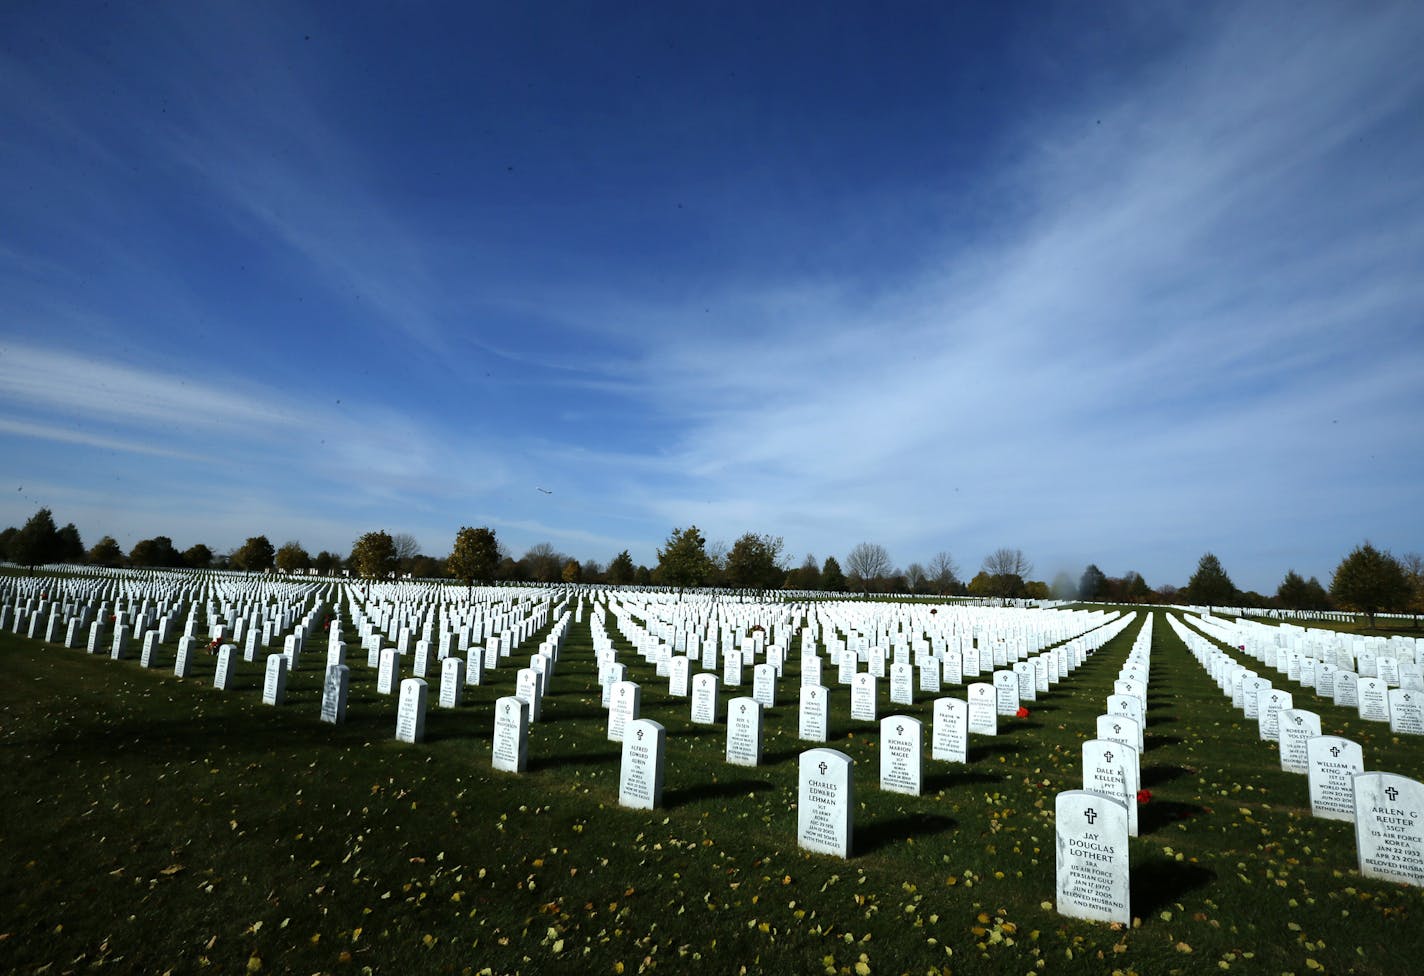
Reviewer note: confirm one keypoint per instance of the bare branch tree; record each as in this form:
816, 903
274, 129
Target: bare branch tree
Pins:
1007, 562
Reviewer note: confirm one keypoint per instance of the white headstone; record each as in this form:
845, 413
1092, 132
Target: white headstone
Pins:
1333, 764
510, 751
902, 684
1374, 700
625, 699
148, 656
640, 779
474, 666
274, 684
983, 709
335, 687
183, 661
1091, 837
1112, 769
452, 682
764, 685
1389, 827
951, 730
815, 715
1006, 691
744, 732
389, 672
224, 672
825, 809
1298, 727
862, 697
1406, 711
410, 711
901, 758
704, 699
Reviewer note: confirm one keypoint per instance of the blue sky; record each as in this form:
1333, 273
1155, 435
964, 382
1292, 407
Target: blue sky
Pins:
1114, 283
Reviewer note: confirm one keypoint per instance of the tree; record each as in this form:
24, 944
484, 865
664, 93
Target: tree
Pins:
621, 569
572, 572
426, 567
1135, 588
154, 552
1007, 562
326, 561
475, 555
106, 552
1209, 585
406, 547
1413, 564
543, 563
1368, 581
1091, 584
591, 571
1295, 593
832, 579
755, 562
71, 548
1038, 590
982, 585
7, 538
868, 561
943, 573
37, 542
682, 561
374, 554
198, 556
642, 576
807, 576
292, 557
1063, 586
915, 577
255, 556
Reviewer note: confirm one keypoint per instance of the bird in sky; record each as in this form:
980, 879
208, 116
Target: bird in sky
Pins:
544, 490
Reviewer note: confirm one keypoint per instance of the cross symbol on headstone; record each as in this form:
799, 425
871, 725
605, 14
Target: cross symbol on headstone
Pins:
1091, 814
1297, 720
1117, 727
823, 768
1108, 756
1335, 751
1392, 793
744, 709
640, 734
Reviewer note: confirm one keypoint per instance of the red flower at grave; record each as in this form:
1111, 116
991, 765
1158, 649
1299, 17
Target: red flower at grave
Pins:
1144, 796
1022, 712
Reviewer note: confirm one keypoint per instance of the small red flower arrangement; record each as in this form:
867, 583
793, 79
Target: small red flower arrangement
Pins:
1022, 712
1144, 796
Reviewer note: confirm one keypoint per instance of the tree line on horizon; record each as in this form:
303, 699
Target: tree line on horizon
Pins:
1367, 580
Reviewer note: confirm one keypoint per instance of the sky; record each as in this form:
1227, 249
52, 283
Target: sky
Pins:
1115, 283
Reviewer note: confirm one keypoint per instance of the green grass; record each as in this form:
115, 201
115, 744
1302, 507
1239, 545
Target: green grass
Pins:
149, 824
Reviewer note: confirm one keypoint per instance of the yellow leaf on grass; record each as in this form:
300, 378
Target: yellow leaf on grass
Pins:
254, 964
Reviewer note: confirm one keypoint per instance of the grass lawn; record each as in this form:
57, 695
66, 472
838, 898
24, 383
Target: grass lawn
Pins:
149, 824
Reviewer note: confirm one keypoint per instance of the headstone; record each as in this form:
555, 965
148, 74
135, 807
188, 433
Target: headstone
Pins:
1406, 711
510, 751
274, 684
901, 759
1389, 827
389, 672
704, 699
96, 637
527, 688
1347, 689
1090, 833
224, 672
1119, 728
1006, 691
951, 730
764, 685
410, 711
1333, 764
825, 808
334, 689
1374, 699
1298, 727
183, 662
119, 648
624, 703
640, 779
422, 658
862, 697
1112, 769
335, 653
902, 684
148, 656
474, 666
452, 682
744, 732
679, 668
983, 709
1270, 702
814, 719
